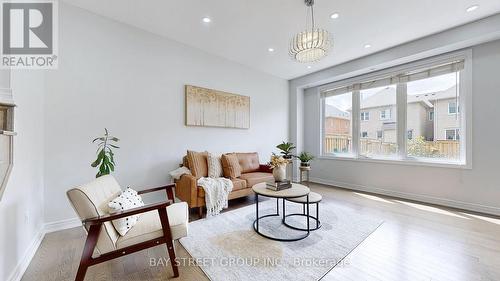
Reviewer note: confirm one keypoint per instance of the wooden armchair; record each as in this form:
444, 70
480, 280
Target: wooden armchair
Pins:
159, 223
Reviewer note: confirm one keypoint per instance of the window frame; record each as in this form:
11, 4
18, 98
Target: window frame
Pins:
365, 115
387, 114
430, 116
456, 133
456, 108
409, 133
465, 113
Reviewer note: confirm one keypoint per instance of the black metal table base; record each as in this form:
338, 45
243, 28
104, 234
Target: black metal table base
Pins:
257, 218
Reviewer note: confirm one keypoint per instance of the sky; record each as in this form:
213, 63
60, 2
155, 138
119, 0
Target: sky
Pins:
434, 84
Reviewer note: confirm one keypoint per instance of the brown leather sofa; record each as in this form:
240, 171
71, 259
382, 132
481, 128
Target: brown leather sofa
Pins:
252, 172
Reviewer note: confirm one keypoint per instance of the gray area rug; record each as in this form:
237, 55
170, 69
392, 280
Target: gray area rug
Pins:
226, 247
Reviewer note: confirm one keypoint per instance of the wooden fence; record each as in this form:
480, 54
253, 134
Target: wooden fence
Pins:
442, 148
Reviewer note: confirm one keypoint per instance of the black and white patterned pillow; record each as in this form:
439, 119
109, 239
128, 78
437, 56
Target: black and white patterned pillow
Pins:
128, 199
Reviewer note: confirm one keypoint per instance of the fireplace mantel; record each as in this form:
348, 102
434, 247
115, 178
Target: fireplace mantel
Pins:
7, 132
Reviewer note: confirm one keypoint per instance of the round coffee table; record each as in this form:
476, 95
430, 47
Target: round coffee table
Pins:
296, 191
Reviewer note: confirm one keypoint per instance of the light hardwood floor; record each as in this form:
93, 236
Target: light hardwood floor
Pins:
415, 242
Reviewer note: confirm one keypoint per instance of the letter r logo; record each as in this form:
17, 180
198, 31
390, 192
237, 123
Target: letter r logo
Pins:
27, 28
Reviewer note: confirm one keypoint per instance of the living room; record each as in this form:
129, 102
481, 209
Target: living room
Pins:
279, 140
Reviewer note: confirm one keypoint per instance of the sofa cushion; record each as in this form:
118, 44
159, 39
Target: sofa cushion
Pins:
214, 165
185, 162
231, 166
238, 184
198, 163
256, 177
249, 162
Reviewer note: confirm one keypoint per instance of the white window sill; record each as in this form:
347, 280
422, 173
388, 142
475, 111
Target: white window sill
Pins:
395, 161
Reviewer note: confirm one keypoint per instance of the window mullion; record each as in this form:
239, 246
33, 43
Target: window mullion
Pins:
356, 116
401, 107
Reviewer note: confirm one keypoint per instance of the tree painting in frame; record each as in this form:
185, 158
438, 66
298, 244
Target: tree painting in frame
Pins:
212, 108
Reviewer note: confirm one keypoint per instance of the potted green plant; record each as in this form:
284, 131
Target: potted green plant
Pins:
105, 156
286, 149
305, 159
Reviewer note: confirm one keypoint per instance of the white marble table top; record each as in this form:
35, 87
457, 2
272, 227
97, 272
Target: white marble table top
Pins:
297, 190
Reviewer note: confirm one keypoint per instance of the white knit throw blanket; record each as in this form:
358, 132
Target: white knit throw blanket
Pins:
216, 193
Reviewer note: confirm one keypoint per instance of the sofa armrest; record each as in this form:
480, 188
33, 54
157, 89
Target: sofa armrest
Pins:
264, 168
186, 189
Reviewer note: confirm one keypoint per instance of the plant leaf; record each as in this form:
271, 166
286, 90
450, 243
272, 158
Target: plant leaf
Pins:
98, 160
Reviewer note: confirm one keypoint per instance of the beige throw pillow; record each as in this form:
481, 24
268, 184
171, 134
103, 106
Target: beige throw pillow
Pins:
214, 165
198, 163
231, 166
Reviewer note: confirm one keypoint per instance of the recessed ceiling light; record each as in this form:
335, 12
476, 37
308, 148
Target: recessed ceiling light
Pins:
367, 46
472, 8
271, 50
334, 16
206, 19
309, 66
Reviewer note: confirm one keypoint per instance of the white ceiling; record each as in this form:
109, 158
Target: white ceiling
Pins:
243, 30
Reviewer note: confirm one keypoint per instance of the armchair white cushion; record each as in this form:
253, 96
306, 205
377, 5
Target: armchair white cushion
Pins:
149, 226
91, 200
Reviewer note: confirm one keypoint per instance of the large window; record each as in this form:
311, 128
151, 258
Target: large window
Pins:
425, 97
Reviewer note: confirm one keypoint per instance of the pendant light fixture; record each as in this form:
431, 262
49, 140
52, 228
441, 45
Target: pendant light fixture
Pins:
313, 43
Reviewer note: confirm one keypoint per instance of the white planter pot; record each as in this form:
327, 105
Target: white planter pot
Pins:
279, 173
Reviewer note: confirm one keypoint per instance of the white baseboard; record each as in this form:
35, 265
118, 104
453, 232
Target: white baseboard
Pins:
411, 196
62, 224
25, 261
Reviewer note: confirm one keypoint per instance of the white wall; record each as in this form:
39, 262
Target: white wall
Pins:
21, 208
476, 189
132, 82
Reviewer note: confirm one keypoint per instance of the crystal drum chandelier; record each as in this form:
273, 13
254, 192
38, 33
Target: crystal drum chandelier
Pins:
312, 44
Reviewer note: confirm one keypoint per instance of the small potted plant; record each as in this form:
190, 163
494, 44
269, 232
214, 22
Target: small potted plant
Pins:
278, 163
305, 159
286, 149
105, 156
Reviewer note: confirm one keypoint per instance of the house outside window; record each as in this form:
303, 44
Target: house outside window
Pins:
364, 134
431, 115
365, 116
380, 134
